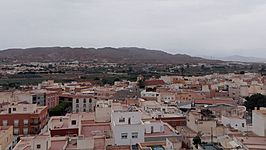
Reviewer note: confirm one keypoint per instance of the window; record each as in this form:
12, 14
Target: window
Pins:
26, 122
4, 122
90, 100
38, 146
14, 109
16, 131
84, 101
84, 105
16, 122
84, 110
77, 100
243, 125
123, 135
122, 119
73, 122
134, 135
25, 131
77, 105
161, 128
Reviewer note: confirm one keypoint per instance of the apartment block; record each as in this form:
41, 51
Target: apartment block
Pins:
25, 118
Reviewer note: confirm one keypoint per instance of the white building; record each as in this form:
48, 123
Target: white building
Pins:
127, 127
149, 95
173, 144
259, 122
244, 91
154, 127
166, 97
235, 122
205, 88
83, 104
103, 111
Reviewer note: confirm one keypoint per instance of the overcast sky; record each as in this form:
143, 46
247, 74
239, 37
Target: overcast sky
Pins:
196, 27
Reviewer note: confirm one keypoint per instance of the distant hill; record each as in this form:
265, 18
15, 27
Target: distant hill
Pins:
243, 59
107, 54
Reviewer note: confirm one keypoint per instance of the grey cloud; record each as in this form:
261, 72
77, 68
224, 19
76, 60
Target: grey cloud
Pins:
197, 27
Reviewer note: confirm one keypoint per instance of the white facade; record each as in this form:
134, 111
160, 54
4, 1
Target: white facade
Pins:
166, 97
83, 105
21, 109
149, 94
244, 91
127, 127
154, 127
103, 111
205, 88
167, 79
41, 143
259, 122
234, 122
173, 144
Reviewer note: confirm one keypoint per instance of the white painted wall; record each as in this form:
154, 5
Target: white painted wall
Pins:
134, 117
148, 94
157, 127
134, 126
258, 123
129, 129
81, 106
103, 112
236, 123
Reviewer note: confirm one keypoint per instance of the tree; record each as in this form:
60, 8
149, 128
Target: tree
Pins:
182, 70
141, 84
60, 109
197, 141
256, 100
242, 72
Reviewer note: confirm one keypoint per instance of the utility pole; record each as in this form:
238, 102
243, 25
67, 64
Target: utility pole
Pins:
211, 135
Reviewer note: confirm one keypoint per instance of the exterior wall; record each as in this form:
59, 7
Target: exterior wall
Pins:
126, 124
149, 95
173, 146
24, 96
39, 99
174, 121
236, 123
21, 108
6, 137
259, 123
157, 127
52, 99
221, 94
205, 126
228, 110
41, 143
186, 96
64, 132
24, 124
132, 117
83, 104
166, 97
128, 129
244, 91
234, 92
103, 113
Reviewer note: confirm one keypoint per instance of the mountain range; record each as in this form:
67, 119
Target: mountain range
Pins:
243, 59
107, 54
